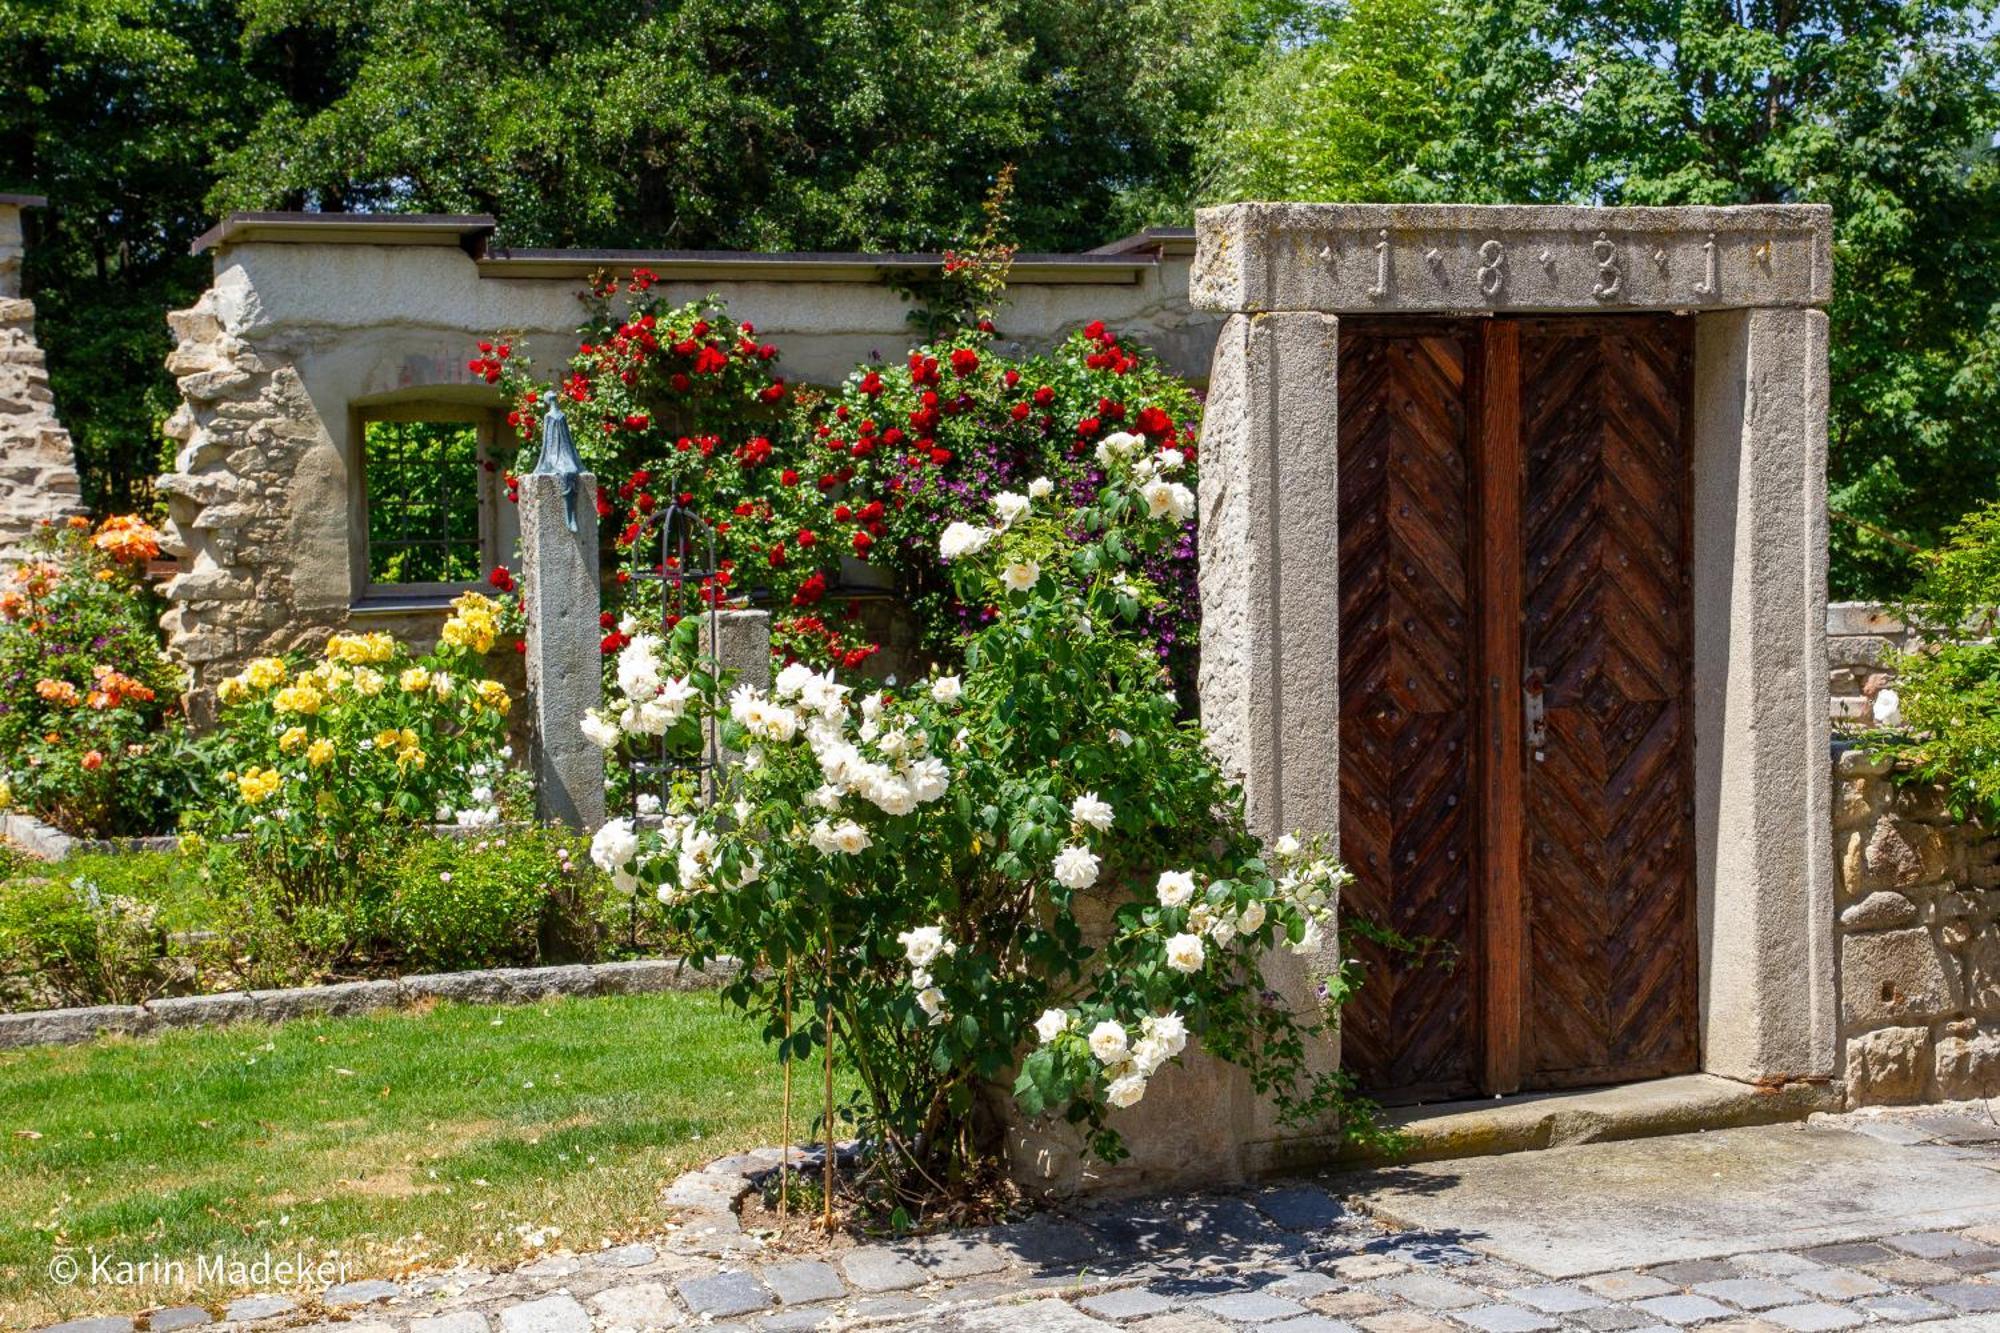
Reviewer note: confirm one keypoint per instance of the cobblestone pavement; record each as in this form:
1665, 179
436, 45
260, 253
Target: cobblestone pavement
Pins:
1290, 1257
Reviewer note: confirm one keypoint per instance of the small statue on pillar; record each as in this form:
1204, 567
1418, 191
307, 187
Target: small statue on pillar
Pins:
559, 457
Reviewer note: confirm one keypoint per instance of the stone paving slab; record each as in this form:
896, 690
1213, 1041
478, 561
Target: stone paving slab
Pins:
259, 1307
1696, 1196
804, 1281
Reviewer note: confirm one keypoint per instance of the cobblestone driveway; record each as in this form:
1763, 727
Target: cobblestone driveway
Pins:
1286, 1258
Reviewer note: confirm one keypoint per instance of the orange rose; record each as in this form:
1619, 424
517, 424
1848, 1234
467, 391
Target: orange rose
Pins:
93, 760
128, 539
115, 688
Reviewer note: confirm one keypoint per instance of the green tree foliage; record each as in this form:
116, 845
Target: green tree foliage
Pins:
762, 124
1887, 111
115, 109
1338, 117
1949, 683
757, 124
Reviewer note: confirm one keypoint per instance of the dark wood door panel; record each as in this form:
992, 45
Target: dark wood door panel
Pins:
1406, 655
1513, 496
1606, 614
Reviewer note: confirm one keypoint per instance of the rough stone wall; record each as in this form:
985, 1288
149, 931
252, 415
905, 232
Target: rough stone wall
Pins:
1859, 638
243, 424
1919, 931
38, 478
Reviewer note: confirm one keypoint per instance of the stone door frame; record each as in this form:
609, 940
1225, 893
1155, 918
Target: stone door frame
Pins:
1756, 279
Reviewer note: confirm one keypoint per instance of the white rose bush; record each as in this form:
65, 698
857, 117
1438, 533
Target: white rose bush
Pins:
1031, 874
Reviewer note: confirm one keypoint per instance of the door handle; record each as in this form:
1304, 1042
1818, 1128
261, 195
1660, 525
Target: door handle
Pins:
1534, 707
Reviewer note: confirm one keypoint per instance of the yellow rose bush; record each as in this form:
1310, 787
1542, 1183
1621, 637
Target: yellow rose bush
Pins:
332, 759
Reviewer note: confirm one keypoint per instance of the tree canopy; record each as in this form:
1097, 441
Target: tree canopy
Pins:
115, 109
756, 124
880, 124
759, 124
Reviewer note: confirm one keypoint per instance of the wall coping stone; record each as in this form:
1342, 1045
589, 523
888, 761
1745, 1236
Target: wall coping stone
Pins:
1853, 619
505, 985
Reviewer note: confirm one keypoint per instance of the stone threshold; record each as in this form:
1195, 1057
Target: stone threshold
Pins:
1528, 1122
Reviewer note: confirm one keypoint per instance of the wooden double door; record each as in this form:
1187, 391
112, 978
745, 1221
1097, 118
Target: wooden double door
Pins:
1515, 722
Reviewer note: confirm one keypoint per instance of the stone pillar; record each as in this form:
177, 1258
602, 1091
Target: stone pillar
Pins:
1270, 561
38, 479
1270, 657
565, 666
1765, 884
742, 644
13, 244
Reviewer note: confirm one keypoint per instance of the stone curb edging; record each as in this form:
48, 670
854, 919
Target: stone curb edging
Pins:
42, 840
706, 1198
49, 843
507, 985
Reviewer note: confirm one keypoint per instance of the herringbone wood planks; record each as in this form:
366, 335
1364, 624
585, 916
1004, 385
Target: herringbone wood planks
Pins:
1406, 648
1609, 857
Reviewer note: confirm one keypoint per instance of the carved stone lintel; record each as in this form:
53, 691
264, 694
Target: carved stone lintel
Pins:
1268, 257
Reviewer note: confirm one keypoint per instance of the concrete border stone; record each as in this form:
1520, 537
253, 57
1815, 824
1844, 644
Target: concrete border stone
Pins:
66, 1027
200, 1011
69, 1027
47, 843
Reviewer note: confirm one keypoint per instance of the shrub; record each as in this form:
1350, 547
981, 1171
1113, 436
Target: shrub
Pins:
104, 928
510, 899
1943, 719
89, 736
984, 426
1029, 871
331, 763
71, 943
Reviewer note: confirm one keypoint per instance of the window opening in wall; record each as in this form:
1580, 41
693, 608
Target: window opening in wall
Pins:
425, 483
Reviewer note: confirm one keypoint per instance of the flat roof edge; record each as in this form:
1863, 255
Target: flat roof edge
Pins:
812, 266
24, 201
473, 232
1160, 241
468, 231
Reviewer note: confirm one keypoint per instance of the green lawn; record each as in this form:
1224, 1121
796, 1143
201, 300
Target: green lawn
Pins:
398, 1139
